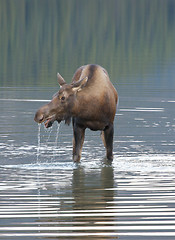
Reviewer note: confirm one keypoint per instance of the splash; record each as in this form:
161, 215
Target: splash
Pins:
56, 138
39, 142
56, 141
50, 144
38, 176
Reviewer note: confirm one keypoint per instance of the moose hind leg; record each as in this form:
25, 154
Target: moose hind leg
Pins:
78, 141
107, 137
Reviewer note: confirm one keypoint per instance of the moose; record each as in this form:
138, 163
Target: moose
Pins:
90, 100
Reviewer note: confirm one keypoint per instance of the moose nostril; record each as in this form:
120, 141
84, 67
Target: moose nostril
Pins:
38, 118
41, 118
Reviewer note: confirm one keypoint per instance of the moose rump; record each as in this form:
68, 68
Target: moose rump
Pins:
90, 100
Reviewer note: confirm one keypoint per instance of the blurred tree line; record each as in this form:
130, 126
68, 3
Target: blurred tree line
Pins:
40, 37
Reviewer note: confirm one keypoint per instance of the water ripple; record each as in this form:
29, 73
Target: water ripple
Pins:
127, 205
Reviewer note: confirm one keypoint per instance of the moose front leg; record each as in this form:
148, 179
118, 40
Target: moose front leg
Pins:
78, 141
107, 137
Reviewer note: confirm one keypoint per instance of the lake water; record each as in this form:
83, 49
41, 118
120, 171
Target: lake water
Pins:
43, 194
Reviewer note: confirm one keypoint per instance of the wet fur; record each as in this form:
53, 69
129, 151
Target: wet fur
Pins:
98, 100
90, 100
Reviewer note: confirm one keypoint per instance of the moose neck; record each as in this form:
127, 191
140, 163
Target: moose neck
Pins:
79, 106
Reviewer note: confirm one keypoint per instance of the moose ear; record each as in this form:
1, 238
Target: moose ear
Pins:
61, 80
77, 86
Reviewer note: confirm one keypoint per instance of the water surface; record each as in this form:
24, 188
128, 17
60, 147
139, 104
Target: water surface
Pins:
44, 194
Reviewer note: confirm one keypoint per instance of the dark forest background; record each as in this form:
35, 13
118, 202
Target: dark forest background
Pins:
40, 37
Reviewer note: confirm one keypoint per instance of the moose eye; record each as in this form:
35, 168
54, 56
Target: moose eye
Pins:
63, 98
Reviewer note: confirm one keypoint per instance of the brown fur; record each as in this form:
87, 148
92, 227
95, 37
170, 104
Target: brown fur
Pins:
90, 100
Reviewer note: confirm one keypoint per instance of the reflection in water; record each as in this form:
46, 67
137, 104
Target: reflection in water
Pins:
95, 203
78, 209
90, 200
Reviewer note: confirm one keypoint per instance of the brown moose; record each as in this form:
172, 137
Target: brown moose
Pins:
90, 100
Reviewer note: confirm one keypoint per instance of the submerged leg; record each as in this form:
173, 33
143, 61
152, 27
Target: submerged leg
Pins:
78, 141
107, 137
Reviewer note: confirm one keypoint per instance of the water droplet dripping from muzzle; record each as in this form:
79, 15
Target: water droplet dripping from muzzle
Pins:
39, 142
